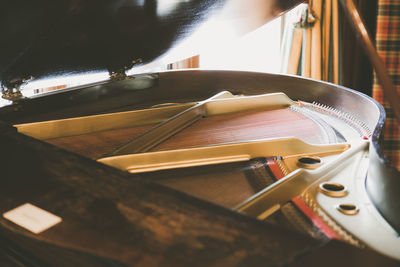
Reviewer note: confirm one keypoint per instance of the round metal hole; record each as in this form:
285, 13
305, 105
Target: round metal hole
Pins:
333, 189
309, 162
348, 209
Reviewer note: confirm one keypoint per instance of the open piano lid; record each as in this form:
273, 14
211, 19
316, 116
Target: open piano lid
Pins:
62, 37
109, 217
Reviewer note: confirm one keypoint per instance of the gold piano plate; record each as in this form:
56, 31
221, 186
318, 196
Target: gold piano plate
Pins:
253, 154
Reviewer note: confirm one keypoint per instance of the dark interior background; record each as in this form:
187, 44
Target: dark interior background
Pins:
357, 70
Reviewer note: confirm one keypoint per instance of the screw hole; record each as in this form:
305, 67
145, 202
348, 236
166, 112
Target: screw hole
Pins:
309, 162
333, 189
348, 209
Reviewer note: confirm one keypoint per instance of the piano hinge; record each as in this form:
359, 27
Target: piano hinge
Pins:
11, 90
307, 18
120, 73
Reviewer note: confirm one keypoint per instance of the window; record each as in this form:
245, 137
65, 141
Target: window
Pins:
256, 51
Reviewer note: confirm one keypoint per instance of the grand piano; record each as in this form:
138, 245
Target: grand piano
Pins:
180, 168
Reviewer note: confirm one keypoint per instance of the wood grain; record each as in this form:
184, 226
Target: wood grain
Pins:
116, 217
236, 127
93, 145
111, 218
244, 126
224, 184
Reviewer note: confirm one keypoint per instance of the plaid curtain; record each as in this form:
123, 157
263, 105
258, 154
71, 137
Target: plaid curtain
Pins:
388, 47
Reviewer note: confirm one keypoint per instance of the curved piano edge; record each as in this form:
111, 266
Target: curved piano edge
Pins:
345, 205
160, 211
217, 154
263, 244
383, 186
382, 182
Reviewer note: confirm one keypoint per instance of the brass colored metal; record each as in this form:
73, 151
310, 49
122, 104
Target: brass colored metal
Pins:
11, 90
221, 103
360, 126
348, 209
268, 212
333, 189
12, 94
282, 166
166, 129
295, 184
120, 74
246, 103
97, 123
164, 105
309, 162
346, 236
235, 152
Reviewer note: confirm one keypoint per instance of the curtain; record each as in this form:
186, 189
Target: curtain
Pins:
388, 47
311, 46
188, 63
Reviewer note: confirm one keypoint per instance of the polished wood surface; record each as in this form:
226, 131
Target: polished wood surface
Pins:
45, 37
250, 125
112, 218
235, 127
94, 145
223, 184
227, 184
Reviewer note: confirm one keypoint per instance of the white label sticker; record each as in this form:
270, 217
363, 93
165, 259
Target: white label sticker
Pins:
32, 218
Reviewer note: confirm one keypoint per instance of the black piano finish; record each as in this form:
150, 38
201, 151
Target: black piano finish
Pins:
43, 37
112, 218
